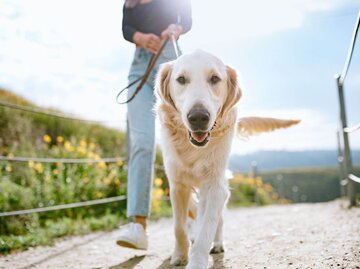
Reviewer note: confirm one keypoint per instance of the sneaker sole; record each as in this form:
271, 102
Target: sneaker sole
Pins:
128, 245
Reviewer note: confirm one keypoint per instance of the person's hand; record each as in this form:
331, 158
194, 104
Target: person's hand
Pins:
172, 30
149, 42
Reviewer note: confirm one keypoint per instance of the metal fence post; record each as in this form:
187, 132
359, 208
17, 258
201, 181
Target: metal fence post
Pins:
254, 170
346, 155
340, 159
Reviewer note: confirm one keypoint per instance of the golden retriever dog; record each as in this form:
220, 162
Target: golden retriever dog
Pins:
196, 105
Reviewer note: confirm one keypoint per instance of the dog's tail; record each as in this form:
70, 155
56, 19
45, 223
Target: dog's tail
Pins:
248, 126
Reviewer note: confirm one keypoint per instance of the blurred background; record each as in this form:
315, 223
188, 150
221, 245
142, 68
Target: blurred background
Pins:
69, 59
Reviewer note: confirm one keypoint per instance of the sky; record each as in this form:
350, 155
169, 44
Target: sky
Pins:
71, 55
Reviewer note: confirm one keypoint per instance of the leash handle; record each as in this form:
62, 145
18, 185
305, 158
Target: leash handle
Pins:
143, 78
175, 46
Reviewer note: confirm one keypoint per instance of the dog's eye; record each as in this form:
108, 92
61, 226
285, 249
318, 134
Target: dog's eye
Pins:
214, 79
181, 80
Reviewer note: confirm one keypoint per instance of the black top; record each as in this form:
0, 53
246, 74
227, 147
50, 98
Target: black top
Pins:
155, 16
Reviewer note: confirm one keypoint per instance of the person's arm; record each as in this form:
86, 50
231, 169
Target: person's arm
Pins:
149, 41
127, 29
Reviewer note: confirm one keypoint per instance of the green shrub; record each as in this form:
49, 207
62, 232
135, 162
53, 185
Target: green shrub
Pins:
248, 190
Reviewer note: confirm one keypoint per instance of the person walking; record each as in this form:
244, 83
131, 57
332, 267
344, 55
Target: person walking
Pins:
146, 23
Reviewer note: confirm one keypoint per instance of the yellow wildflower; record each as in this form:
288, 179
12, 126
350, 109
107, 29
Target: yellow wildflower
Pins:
101, 165
83, 143
68, 146
238, 178
250, 181
156, 206
117, 182
259, 182
156, 200
8, 168
107, 181
31, 164
85, 180
11, 155
158, 193
268, 187
158, 182
120, 163
92, 145
81, 150
47, 138
56, 171
99, 194
59, 139
47, 178
39, 168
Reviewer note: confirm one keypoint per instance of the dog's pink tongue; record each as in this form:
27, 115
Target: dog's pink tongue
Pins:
199, 136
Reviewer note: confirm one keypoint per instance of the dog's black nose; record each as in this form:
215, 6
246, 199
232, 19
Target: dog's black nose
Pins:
198, 118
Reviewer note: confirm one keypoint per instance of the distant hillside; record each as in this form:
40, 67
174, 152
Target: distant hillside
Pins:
267, 160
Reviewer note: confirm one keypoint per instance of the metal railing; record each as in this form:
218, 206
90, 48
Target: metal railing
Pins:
46, 112
348, 179
70, 205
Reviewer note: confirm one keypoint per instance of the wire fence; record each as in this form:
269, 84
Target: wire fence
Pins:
64, 161
64, 206
346, 167
50, 113
70, 205
70, 161
60, 160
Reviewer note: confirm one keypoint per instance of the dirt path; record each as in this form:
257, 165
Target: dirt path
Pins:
293, 236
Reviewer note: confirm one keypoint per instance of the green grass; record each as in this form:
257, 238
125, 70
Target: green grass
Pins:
47, 234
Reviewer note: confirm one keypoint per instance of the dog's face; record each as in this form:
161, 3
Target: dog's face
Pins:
201, 88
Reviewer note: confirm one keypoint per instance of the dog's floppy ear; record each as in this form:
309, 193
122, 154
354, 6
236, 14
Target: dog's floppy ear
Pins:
233, 91
162, 86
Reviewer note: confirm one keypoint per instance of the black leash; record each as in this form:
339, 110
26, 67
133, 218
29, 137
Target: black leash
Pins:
143, 78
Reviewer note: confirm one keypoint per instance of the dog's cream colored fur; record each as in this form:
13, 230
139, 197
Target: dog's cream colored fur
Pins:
203, 168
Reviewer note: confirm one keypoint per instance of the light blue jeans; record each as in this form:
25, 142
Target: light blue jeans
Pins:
141, 132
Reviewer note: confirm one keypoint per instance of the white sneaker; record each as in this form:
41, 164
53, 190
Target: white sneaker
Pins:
133, 235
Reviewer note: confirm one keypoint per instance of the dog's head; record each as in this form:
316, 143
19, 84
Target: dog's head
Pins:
201, 88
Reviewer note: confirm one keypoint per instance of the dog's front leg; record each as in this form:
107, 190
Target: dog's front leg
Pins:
180, 196
218, 246
212, 200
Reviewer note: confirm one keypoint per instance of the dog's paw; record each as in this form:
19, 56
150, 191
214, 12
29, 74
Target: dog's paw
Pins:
178, 260
217, 249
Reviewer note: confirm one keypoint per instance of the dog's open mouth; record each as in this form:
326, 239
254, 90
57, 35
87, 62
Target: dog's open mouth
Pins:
199, 139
